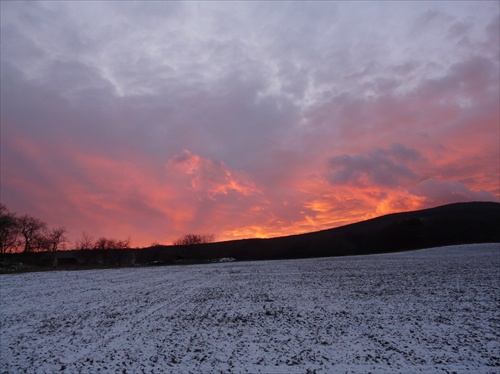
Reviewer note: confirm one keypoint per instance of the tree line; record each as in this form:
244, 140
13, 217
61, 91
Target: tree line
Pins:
30, 234
190, 239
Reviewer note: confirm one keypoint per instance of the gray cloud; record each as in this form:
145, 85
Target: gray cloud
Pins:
378, 167
439, 192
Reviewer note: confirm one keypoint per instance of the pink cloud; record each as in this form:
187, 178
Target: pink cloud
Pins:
210, 177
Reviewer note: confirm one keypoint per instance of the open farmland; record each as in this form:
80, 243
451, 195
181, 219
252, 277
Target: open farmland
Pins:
432, 310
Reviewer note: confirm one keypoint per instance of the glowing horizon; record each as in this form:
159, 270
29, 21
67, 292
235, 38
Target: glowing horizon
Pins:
152, 120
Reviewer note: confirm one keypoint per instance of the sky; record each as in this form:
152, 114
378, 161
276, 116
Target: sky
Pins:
151, 120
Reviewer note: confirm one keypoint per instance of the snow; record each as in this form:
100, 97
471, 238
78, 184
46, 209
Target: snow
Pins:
433, 310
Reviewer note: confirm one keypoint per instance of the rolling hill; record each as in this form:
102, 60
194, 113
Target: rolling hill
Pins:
459, 223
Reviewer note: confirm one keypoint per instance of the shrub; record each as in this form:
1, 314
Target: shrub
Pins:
190, 239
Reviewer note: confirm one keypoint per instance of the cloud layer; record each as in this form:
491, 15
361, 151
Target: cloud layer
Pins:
156, 119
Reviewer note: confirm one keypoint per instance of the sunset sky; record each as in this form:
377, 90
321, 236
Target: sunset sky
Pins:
151, 120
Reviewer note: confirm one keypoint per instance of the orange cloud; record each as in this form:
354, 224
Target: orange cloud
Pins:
210, 177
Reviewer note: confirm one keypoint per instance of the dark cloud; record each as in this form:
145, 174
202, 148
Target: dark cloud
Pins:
378, 167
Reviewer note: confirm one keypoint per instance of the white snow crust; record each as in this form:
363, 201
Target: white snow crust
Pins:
432, 311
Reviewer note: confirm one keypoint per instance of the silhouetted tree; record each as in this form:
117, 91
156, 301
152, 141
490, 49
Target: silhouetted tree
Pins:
51, 239
190, 239
104, 243
31, 229
123, 244
86, 243
9, 230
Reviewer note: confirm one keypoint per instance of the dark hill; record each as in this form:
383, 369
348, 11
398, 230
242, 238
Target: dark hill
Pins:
460, 223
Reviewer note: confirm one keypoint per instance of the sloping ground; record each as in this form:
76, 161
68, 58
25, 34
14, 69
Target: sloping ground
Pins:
460, 223
433, 310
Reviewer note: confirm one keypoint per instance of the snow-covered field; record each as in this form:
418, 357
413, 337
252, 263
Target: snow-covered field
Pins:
433, 310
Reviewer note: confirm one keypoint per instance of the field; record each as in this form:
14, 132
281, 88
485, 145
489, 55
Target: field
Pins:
433, 310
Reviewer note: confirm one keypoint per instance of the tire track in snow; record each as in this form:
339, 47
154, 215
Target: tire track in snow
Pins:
173, 305
175, 301
122, 327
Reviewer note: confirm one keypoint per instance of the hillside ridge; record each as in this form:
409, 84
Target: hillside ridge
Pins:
452, 224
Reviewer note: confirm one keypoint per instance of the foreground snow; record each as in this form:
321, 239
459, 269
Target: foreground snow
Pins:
434, 310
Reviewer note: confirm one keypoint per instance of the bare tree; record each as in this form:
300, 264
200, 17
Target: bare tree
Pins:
105, 243
190, 239
87, 242
123, 244
51, 239
9, 230
31, 229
